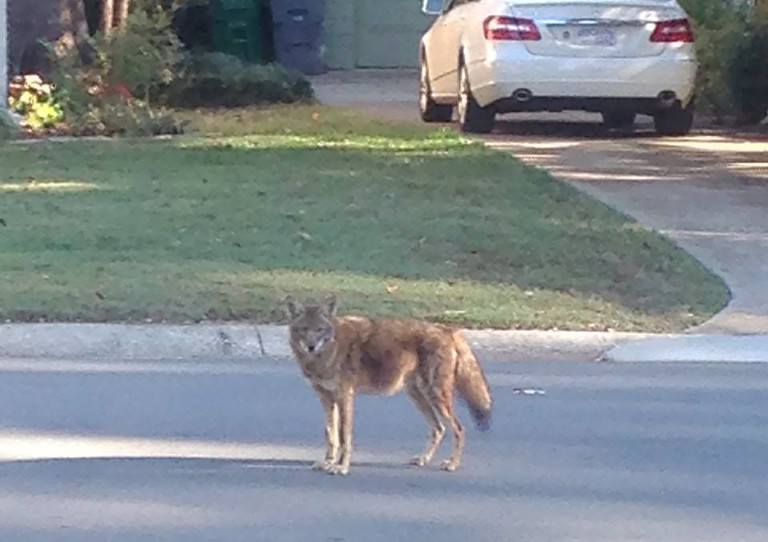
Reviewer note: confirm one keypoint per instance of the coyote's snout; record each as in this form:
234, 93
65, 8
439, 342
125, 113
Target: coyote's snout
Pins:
344, 355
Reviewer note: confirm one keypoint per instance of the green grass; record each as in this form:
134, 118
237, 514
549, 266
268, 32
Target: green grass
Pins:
396, 220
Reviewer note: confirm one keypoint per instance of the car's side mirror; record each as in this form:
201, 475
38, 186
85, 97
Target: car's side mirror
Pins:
433, 7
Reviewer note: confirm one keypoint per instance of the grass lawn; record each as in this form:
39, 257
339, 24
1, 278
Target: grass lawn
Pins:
394, 219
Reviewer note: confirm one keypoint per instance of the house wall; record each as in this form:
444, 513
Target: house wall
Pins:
373, 33
340, 33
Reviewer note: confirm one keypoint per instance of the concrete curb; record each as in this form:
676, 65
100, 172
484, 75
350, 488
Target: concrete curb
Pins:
693, 348
229, 341
130, 342
245, 341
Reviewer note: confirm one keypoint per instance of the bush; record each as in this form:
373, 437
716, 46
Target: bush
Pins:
731, 48
193, 23
749, 69
8, 128
117, 117
142, 58
221, 80
98, 91
33, 100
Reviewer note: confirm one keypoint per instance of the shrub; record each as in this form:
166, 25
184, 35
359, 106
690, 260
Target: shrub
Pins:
221, 80
193, 23
34, 101
749, 69
115, 117
141, 58
98, 91
730, 46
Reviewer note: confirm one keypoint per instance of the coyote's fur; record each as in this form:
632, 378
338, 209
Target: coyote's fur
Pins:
341, 356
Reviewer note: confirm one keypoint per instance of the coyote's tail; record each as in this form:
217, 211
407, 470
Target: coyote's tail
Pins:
471, 383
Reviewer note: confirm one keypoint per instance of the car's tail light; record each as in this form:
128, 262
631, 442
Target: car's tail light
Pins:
677, 30
500, 27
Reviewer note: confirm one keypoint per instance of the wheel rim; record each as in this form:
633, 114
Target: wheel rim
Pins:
464, 95
423, 88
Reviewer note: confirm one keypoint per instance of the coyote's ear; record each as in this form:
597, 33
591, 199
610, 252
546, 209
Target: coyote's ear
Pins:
330, 305
294, 307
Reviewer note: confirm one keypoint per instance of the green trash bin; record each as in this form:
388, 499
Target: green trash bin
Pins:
237, 28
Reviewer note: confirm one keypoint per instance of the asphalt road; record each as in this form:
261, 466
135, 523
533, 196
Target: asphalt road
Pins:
175, 451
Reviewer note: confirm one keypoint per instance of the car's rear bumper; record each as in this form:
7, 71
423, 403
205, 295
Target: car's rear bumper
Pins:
580, 83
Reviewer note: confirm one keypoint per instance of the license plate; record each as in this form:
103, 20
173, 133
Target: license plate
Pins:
593, 35
596, 36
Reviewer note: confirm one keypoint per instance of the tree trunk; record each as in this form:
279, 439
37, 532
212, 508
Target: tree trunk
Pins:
107, 16
121, 13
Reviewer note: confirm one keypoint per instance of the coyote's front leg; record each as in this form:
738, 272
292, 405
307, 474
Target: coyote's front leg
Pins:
331, 408
346, 404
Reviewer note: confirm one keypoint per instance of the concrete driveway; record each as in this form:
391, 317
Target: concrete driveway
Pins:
193, 451
708, 192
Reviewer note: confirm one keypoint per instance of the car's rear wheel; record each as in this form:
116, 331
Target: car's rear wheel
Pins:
619, 120
429, 110
674, 121
473, 118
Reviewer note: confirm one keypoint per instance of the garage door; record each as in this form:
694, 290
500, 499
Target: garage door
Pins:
388, 33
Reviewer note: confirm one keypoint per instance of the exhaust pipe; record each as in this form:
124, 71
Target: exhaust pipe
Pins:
667, 98
522, 95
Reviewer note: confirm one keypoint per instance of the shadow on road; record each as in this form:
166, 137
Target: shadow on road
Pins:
510, 126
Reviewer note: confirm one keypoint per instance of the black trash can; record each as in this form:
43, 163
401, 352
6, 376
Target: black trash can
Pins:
298, 34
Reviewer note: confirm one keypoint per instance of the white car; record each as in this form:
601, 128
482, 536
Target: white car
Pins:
615, 57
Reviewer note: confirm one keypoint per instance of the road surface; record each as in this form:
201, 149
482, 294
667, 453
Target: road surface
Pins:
196, 451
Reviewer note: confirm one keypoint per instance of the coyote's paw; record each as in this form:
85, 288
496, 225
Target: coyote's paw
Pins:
341, 470
322, 465
420, 461
449, 465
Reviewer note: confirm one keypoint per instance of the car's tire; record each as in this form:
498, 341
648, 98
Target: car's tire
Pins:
674, 121
473, 118
429, 110
619, 119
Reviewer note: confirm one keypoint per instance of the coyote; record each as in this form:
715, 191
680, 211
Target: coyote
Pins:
344, 355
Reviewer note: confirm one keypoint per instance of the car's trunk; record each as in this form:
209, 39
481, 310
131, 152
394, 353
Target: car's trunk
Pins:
596, 28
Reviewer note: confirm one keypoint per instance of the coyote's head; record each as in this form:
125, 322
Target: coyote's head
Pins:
311, 325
